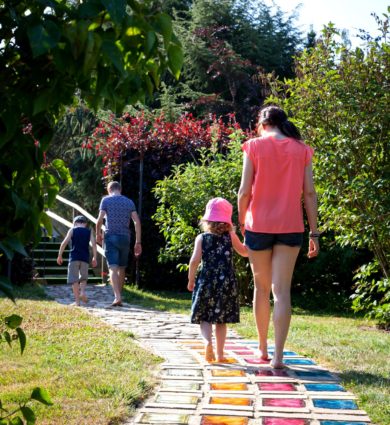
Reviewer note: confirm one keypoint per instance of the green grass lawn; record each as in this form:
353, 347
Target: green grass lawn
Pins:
350, 346
94, 373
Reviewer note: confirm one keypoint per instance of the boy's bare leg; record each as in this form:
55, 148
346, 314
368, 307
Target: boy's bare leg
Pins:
83, 295
220, 336
76, 292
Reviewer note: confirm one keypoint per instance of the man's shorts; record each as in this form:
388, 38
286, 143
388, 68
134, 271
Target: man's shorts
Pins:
77, 271
262, 241
116, 249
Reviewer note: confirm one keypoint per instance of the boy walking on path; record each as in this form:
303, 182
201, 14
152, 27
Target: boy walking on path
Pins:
80, 236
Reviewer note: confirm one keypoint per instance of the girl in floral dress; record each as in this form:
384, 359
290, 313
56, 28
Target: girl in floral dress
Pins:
215, 298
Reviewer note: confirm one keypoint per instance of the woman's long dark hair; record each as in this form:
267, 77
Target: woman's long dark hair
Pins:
276, 117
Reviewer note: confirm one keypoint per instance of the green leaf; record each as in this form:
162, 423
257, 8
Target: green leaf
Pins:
111, 49
13, 321
22, 339
40, 40
62, 170
28, 415
150, 42
175, 59
163, 25
14, 243
6, 288
41, 395
42, 102
46, 222
7, 250
16, 421
7, 337
116, 9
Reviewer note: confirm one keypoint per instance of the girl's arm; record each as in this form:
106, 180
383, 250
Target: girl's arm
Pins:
194, 262
244, 192
310, 201
238, 246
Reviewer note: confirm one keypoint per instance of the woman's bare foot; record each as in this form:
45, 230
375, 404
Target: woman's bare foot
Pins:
277, 364
209, 353
264, 354
83, 298
222, 359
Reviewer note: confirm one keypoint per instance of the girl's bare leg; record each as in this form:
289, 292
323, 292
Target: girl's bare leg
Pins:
220, 336
261, 265
206, 330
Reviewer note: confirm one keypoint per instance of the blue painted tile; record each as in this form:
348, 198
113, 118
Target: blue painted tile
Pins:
335, 404
285, 353
324, 387
342, 423
314, 374
298, 361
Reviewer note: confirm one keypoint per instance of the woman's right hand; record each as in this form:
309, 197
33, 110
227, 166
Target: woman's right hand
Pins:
314, 247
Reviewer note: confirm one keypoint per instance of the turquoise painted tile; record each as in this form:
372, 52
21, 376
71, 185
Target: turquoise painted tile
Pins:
342, 423
298, 361
335, 404
314, 374
324, 387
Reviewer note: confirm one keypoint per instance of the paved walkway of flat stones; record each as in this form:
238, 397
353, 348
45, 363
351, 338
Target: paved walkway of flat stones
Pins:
245, 391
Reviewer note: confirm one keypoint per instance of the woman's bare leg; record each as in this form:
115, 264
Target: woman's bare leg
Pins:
206, 330
283, 263
261, 265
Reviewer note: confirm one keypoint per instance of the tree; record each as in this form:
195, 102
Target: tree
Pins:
111, 53
340, 99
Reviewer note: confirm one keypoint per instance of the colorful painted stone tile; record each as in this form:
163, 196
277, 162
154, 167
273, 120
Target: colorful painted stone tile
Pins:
342, 423
229, 360
184, 372
256, 360
324, 387
236, 401
228, 386
224, 420
227, 373
276, 386
244, 352
315, 374
168, 398
298, 361
335, 404
273, 372
284, 402
284, 421
181, 385
162, 418
285, 353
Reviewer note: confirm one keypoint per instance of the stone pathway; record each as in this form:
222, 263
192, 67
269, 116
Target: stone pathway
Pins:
245, 391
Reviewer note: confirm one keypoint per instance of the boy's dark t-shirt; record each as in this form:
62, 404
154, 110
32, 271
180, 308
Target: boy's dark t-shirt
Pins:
80, 244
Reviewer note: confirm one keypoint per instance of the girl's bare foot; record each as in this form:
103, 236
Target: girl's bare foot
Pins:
209, 353
222, 359
264, 354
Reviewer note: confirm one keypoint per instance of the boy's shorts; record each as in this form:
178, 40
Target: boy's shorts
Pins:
262, 241
116, 250
77, 271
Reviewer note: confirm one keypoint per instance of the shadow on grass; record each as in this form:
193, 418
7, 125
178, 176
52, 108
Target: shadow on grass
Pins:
29, 291
159, 300
366, 379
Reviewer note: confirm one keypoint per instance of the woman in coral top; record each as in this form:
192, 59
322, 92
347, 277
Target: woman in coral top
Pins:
277, 171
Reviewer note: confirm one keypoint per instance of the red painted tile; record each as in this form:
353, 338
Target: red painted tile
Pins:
272, 386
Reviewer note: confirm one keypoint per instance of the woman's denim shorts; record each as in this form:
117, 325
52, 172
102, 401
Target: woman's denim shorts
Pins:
116, 249
262, 241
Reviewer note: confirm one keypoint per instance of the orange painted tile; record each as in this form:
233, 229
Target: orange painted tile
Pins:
229, 386
228, 360
237, 401
224, 420
227, 372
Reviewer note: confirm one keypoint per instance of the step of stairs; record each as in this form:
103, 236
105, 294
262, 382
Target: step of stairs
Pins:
45, 260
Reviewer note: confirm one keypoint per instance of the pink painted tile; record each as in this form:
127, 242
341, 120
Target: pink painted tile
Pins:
273, 386
244, 352
284, 402
273, 372
256, 360
283, 421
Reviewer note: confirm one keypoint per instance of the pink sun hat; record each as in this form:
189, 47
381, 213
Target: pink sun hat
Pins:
219, 209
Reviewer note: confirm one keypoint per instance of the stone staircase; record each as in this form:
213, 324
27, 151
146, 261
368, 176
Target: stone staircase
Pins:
45, 260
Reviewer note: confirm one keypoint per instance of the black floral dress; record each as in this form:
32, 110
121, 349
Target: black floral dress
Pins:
215, 296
